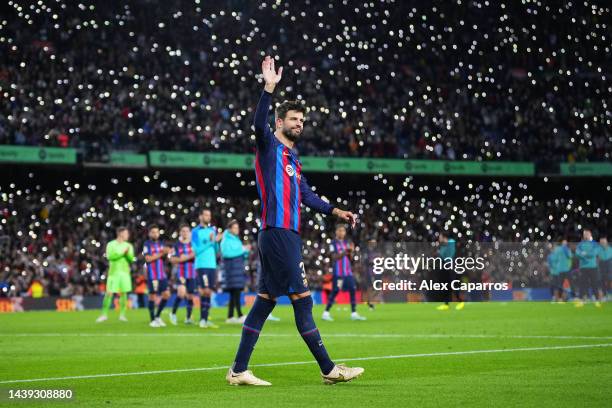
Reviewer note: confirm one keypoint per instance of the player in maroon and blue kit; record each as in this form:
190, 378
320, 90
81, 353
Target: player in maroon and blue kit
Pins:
341, 252
182, 257
155, 253
282, 188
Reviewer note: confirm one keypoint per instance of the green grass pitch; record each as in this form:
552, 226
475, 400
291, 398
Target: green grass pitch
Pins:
489, 354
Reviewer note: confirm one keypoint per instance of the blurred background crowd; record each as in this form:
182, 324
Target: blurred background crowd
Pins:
462, 79
57, 234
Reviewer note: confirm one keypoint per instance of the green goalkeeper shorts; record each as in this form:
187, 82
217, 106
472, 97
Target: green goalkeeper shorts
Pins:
120, 282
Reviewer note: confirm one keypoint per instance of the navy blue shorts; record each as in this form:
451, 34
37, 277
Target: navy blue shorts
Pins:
556, 283
207, 278
157, 286
344, 283
190, 284
605, 270
282, 269
590, 279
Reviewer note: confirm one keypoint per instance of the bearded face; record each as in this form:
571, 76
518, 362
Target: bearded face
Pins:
292, 125
205, 217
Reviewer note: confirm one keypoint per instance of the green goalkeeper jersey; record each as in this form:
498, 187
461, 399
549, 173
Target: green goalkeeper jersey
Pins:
119, 260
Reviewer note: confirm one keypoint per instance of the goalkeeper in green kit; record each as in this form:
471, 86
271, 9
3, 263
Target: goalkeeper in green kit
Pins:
120, 253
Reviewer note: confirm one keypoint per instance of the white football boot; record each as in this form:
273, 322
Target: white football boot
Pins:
341, 373
357, 316
244, 378
173, 319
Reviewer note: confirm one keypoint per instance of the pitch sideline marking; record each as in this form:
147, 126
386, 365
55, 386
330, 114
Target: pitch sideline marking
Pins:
396, 356
364, 335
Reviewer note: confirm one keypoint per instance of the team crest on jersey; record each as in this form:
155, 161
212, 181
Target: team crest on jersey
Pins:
289, 169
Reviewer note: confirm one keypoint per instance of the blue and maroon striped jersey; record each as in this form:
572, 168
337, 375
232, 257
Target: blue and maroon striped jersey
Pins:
342, 266
185, 269
281, 185
155, 269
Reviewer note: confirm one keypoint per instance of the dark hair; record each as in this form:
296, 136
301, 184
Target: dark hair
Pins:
286, 106
341, 225
120, 229
184, 226
153, 226
205, 209
231, 224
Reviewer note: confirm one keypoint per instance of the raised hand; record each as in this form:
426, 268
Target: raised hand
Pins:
270, 75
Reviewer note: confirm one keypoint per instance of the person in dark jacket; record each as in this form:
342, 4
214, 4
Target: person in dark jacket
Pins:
234, 254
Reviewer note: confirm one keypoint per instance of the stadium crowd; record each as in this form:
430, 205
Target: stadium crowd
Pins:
57, 238
467, 79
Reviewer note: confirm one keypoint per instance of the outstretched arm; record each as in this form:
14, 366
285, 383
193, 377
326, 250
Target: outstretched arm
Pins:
263, 133
312, 200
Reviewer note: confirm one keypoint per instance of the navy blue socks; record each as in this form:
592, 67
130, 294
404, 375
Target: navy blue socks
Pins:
189, 307
330, 300
302, 309
204, 307
160, 307
177, 302
250, 332
151, 309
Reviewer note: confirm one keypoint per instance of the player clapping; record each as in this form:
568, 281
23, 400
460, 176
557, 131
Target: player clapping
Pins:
183, 257
342, 253
120, 254
205, 243
154, 253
